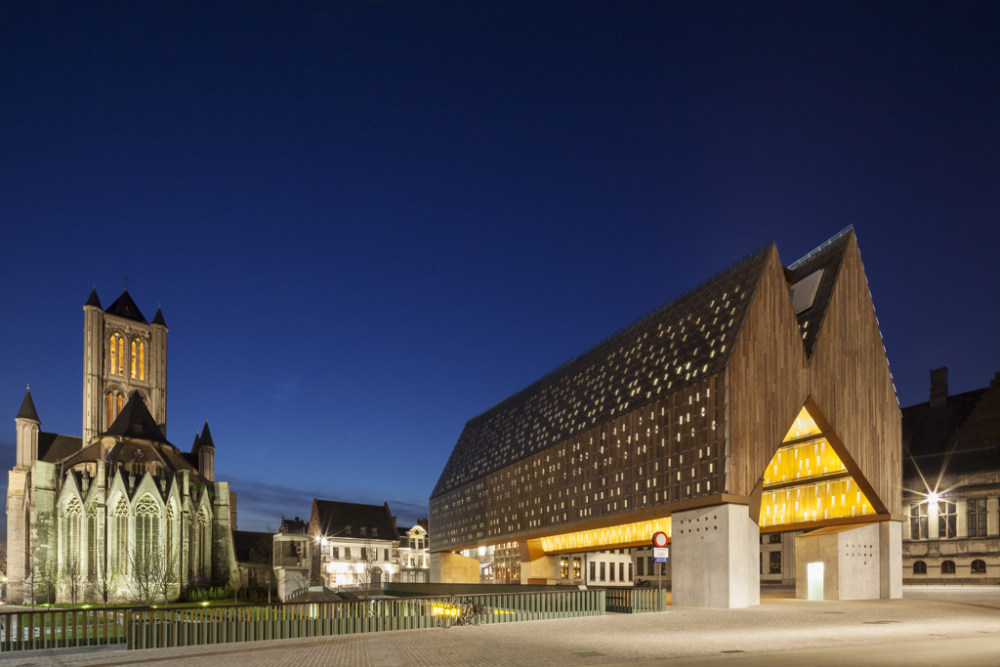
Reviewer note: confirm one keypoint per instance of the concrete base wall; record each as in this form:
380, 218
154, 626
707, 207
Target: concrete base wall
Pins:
891, 550
714, 557
855, 561
451, 568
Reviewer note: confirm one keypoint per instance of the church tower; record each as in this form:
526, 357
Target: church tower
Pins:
122, 354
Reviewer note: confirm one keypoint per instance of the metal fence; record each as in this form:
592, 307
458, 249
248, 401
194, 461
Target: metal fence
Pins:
635, 600
194, 626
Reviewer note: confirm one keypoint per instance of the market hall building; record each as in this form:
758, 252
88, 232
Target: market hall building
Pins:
758, 402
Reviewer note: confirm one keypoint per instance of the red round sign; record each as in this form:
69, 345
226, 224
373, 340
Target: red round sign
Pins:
660, 539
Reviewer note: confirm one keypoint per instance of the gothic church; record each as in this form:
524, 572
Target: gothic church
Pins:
120, 513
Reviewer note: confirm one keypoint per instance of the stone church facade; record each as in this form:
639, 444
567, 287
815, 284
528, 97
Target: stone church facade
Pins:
119, 513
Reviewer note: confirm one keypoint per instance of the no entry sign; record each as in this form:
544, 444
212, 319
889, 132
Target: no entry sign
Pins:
660, 539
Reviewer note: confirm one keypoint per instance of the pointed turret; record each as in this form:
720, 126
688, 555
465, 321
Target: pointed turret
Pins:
92, 300
27, 410
158, 318
27, 422
204, 449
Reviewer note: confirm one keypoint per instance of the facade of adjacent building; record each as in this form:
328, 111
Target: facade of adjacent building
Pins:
119, 510
350, 546
951, 486
759, 402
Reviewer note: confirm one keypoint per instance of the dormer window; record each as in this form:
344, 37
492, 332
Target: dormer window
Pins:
374, 532
364, 531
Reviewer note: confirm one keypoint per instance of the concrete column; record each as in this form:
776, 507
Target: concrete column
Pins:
715, 557
890, 551
536, 566
452, 568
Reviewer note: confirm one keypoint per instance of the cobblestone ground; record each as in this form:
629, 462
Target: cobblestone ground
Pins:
930, 623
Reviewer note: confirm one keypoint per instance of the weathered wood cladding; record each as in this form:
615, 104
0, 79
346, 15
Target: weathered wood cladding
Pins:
767, 379
851, 384
632, 467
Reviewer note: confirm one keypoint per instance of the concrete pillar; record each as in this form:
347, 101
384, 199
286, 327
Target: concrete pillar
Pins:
536, 566
891, 560
715, 557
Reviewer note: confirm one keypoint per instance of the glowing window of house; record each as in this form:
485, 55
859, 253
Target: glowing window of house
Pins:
947, 519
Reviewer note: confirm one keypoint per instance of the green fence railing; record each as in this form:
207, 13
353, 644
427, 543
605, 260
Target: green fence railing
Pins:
635, 600
41, 629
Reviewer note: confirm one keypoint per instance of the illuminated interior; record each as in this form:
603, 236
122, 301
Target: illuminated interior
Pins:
624, 535
807, 481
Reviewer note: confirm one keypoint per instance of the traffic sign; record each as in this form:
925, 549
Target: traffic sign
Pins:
661, 555
660, 539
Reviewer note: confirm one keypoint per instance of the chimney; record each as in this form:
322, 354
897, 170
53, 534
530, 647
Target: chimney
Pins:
939, 387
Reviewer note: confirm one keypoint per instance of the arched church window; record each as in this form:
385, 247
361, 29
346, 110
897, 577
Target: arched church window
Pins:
71, 533
120, 537
168, 542
147, 529
116, 401
92, 554
137, 360
116, 355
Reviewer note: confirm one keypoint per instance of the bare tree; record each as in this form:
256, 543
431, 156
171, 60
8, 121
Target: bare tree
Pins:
369, 557
47, 575
72, 578
104, 581
146, 572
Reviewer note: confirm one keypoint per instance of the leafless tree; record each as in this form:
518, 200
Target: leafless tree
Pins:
146, 570
46, 574
369, 557
72, 578
104, 581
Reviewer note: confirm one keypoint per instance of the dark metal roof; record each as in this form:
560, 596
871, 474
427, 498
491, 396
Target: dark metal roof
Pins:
134, 421
204, 440
27, 410
682, 342
54, 447
125, 307
828, 257
158, 318
339, 519
932, 441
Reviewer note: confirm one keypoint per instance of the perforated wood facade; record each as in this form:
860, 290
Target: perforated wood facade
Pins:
684, 408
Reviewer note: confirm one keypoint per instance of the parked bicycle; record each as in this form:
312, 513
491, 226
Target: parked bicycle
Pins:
460, 612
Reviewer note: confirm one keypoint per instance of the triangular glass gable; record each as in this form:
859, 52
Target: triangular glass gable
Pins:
807, 482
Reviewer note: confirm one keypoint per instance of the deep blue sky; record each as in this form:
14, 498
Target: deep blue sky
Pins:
367, 222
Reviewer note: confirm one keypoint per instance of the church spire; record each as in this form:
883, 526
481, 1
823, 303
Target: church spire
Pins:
27, 410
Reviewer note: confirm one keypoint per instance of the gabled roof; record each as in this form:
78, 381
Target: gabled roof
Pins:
682, 342
932, 443
27, 410
339, 519
134, 421
125, 307
827, 258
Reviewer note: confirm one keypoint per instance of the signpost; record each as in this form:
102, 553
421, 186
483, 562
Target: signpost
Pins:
661, 554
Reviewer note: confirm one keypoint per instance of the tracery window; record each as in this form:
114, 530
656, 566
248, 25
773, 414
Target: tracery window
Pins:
202, 545
168, 543
137, 360
121, 536
72, 517
147, 527
92, 554
116, 355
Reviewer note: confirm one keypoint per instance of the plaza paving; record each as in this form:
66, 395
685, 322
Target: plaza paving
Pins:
929, 626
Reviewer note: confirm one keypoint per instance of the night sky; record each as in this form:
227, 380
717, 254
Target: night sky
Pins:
367, 222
